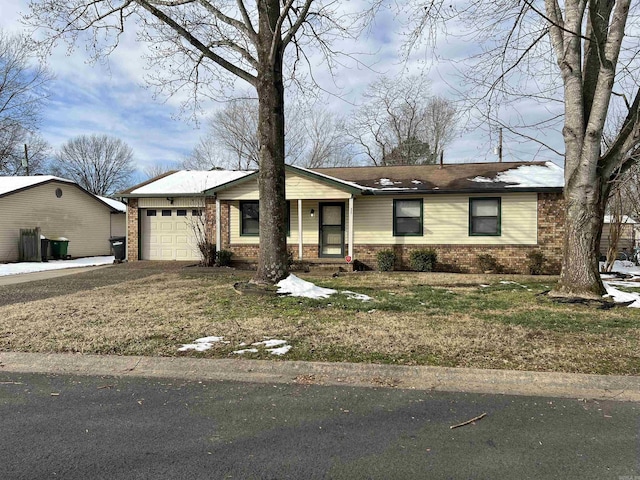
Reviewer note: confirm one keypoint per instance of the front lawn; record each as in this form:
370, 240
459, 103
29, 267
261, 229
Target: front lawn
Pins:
483, 321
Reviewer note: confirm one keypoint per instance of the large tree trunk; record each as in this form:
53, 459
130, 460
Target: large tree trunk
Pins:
585, 204
272, 259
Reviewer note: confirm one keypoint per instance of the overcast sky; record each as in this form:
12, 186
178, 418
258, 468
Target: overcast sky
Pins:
111, 99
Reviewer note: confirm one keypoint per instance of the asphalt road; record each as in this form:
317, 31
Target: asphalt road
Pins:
75, 427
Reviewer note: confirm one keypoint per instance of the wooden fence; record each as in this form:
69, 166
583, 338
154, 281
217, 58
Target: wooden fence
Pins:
29, 248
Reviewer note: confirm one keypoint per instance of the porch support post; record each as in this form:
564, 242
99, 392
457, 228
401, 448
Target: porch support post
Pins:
351, 227
299, 229
218, 226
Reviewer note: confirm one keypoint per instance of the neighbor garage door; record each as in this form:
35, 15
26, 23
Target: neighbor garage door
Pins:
168, 234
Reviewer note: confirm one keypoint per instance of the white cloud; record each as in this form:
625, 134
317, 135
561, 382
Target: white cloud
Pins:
110, 98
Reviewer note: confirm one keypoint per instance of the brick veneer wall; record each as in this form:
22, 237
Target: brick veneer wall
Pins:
210, 219
513, 258
132, 229
225, 213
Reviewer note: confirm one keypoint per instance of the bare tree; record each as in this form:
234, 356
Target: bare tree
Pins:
235, 129
27, 154
101, 164
157, 169
326, 145
195, 43
400, 123
312, 138
573, 59
205, 155
22, 97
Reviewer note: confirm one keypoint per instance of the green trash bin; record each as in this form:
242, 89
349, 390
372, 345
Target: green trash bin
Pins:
59, 247
119, 248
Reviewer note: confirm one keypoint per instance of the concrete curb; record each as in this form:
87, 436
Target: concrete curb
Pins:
599, 387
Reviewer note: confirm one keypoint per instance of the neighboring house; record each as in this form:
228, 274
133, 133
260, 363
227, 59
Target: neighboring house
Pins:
627, 239
460, 210
61, 208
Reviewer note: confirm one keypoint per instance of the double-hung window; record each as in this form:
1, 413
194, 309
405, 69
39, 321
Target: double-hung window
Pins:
407, 217
250, 218
484, 216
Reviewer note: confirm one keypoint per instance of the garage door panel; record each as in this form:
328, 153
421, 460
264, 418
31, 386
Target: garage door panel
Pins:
167, 237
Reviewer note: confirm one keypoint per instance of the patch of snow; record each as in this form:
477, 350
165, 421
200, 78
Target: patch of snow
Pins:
296, 287
385, 182
209, 339
622, 283
245, 350
11, 184
279, 351
357, 296
482, 180
619, 297
198, 347
269, 343
482, 285
201, 344
33, 267
528, 176
416, 182
121, 207
190, 182
623, 266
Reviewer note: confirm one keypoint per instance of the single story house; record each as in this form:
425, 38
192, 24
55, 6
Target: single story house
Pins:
460, 210
60, 208
628, 234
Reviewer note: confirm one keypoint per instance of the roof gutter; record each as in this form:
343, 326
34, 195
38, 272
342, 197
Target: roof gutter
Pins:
464, 191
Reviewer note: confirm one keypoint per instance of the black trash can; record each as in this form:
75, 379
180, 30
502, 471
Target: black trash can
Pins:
44, 248
119, 247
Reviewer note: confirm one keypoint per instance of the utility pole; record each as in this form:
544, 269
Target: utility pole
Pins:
25, 162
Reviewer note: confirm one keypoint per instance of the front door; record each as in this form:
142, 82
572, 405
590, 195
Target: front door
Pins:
331, 230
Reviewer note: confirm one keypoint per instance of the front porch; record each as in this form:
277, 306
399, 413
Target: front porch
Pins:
319, 233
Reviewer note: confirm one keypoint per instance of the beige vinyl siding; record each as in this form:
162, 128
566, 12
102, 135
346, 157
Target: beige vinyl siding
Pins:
626, 241
84, 220
296, 187
309, 224
118, 224
446, 221
178, 202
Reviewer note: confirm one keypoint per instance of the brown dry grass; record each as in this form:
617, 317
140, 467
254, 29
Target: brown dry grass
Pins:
410, 322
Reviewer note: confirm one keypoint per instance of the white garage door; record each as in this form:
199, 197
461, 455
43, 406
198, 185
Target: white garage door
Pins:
168, 234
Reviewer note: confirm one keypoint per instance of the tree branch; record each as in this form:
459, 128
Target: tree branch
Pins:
230, 67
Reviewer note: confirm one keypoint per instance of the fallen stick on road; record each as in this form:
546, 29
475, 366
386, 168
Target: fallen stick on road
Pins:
474, 419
